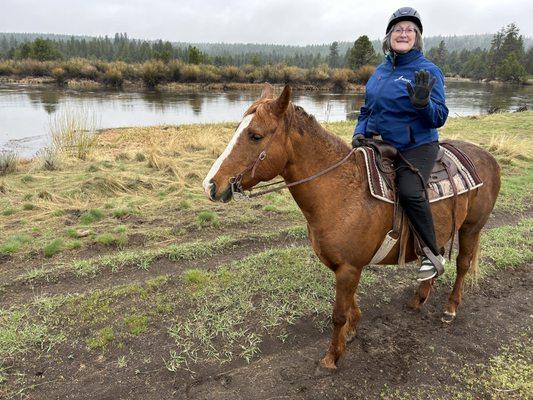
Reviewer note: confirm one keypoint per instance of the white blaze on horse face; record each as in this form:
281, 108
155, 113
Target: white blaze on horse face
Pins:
216, 166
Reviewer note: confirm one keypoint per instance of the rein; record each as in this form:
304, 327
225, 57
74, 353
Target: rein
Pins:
236, 186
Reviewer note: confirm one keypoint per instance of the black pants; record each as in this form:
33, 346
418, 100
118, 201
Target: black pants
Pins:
412, 192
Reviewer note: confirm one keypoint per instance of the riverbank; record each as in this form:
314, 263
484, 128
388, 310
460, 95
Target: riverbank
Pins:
175, 87
86, 74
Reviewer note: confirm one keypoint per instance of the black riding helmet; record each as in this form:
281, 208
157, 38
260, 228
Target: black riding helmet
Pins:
404, 14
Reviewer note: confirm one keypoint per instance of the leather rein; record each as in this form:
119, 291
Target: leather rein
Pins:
236, 181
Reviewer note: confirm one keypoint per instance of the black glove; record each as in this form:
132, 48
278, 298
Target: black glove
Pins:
419, 95
358, 140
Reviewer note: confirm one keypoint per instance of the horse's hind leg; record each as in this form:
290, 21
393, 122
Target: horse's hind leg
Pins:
467, 258
345, 313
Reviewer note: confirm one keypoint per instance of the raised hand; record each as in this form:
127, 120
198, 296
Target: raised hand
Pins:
419, 95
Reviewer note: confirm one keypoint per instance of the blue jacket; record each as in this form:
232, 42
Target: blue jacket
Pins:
388, 110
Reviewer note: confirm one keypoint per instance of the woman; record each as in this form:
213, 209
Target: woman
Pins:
405, 103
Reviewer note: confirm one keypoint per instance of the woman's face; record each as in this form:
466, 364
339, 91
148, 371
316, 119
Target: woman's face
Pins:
403, 36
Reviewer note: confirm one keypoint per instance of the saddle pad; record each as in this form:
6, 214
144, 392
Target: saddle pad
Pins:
465, 179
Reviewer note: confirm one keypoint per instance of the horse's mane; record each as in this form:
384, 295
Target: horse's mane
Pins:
306, 124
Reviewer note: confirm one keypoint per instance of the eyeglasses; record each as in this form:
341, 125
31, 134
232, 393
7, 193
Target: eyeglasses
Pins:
407, 31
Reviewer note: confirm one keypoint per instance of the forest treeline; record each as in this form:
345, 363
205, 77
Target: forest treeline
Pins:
502, 56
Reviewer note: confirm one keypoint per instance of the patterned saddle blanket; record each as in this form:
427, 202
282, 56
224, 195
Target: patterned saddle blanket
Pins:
381, 176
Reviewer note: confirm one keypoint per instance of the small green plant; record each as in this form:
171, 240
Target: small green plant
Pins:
8, 211
13, 244
72, 233
27, 179
184, 205
121, 212
120, 229
140, 157
196, 276
58, 213
102, 338
74, 244
270, 208
91, 216
28, 206
136, 324
52, 248
207, 218
107, 239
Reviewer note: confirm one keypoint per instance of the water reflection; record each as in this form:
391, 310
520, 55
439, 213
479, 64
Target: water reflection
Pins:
25, 112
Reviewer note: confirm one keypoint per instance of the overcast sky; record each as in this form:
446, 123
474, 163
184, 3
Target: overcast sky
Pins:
255, 21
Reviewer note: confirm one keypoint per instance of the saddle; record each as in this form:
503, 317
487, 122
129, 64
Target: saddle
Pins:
453, 174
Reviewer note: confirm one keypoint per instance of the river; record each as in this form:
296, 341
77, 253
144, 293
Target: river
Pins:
25, 112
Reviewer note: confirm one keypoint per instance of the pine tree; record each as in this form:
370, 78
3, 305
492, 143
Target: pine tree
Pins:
361, 53
333, 58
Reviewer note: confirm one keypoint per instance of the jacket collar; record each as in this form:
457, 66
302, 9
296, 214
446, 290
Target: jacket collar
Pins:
403, 59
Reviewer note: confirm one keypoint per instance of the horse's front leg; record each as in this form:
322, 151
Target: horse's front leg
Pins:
346, 313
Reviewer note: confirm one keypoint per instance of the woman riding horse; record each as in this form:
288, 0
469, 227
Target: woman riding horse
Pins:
406, 116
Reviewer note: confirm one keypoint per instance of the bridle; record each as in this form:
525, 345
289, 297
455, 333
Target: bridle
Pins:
235, 182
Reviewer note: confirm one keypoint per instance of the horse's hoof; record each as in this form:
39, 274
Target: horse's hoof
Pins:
448, 317
325, 369
415, 304
328, 363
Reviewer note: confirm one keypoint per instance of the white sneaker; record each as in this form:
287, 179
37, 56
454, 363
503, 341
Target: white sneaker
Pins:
427, 269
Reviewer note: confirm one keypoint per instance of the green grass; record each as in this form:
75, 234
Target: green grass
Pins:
91, 216
52, 248
110, 239
101, 339
516, 193
207, 218
28, 206
236, 305
507, 246
15, 243
136, 324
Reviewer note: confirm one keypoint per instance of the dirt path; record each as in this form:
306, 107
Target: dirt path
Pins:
413, 352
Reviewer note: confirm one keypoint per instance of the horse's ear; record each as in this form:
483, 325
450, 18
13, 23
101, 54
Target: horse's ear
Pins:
279, 106
268, 92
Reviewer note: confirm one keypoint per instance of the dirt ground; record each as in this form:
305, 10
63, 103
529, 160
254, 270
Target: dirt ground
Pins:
396, 349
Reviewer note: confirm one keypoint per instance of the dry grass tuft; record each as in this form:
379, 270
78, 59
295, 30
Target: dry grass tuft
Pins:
508, 147
8, 162
72, 131
104, 185
161, 163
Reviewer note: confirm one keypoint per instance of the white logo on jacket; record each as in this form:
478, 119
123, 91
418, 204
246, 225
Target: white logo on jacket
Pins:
401, 78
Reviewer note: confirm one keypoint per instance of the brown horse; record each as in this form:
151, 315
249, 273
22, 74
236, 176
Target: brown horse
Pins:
346, 225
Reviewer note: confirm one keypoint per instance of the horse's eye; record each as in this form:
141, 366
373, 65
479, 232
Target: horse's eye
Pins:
255, 137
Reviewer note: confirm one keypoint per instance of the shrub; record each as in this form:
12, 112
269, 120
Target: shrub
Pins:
318, 74
153, 73
59, 75
340, 78
8, 162
190, 73
232, 74
293, 75
89, 72
113, 78
174, 70
6, 68
363, 74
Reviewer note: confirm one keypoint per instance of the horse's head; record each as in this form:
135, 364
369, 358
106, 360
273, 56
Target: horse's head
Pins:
256, 152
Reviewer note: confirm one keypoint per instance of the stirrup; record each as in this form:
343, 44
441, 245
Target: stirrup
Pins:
428, 270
